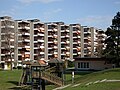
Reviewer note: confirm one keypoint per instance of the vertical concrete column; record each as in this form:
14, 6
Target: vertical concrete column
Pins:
59, 42
71, 42
16, 41
82, 42
92, 41
46, 41
31, 40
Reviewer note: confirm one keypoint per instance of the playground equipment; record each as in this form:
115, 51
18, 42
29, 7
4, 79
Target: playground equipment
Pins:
37, 73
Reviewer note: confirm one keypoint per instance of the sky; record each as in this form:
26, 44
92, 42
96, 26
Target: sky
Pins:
93, 13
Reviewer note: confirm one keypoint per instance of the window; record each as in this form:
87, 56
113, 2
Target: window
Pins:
83, 64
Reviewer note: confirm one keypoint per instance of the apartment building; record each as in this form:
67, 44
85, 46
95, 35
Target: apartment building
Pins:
92, 43
6, 42
34, 40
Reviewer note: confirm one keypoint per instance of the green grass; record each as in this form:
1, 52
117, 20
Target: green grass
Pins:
98, 86
112, 74
9, 79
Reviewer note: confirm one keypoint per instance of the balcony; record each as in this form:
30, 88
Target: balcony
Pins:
55, 36
75, 43
42, 47
42, 52
63, 48
62, 36
27, 52
50, 30
40, 34
27, 59
50, 36
67, 36
50, 47
78, 37
55, 52
67, 52
74, 53
79, 53
26, 40
67, 30
55, 30
49, 54
27, 46
55, 47
2, 54
11, 46
40, 40
63, 54
67, 42
50, 42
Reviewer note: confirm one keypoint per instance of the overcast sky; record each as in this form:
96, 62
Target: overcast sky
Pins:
96, 13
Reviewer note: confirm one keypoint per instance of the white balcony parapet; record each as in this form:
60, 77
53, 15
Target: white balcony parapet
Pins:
78, 37
49, 54
27, 46
40, 40
67, 52
74, 48
75, 43
62, 42
42, 52
27, 52
27, 34
67, 42
26, 27
27, 59
55, 29
50, 41
74, 53
67, 30
62, 36
74, 37
55, 53
11, 46
40, 34
55, 47
49, 47
50, 36
79, 52
63, 54
62, 48
19, 54
42, 47
2, 54
67, 36
49, 30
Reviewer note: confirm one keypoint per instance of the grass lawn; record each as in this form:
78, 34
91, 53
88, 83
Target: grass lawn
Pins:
9, 79
112, 74
98, 86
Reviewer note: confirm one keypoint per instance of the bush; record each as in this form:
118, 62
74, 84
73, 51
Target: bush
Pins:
19, 67
14, 67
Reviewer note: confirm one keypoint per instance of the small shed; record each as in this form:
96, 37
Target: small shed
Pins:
91, 63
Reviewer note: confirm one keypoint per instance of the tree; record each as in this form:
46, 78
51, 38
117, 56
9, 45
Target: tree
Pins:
112, 51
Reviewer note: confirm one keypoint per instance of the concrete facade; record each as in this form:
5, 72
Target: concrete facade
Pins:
35, 40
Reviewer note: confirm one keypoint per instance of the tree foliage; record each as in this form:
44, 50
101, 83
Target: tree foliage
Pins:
112, 51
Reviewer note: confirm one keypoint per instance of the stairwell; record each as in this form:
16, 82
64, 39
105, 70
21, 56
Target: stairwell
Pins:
52, 78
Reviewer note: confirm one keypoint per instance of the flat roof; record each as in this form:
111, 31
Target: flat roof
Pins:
89, 59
